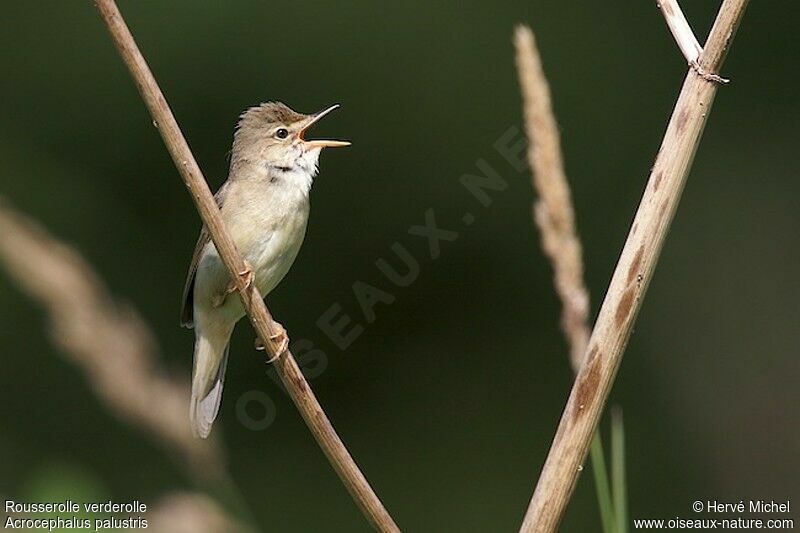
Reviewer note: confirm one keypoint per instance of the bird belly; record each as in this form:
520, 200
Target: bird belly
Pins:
272, 258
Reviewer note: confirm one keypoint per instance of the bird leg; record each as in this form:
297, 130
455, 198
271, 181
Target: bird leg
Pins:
281, 337
249, 277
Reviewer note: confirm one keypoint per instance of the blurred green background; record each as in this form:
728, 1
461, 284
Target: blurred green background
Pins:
450, 399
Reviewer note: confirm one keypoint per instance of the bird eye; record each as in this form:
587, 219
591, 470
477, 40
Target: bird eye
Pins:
282, 133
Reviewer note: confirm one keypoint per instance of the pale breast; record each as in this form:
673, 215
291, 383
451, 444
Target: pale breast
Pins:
269, 226
267, 222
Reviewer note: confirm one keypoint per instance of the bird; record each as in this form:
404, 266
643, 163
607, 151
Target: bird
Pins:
264, 204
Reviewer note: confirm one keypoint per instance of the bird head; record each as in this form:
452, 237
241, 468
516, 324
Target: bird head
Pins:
274, 136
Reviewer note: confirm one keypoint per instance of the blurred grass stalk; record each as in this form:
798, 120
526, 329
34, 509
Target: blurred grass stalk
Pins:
113, 347
554, 215
632, 275
552, 210
104, 338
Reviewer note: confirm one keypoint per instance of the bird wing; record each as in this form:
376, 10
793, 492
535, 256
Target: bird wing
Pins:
187, 311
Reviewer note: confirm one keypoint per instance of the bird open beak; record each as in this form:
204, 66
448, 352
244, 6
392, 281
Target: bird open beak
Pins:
320, 143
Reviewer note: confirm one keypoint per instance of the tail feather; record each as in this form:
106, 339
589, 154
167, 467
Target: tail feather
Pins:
208, 378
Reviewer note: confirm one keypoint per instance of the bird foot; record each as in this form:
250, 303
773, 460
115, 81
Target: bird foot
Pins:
281, 337
248, 275
249, 278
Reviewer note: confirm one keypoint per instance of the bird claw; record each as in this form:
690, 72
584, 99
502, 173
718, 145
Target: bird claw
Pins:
281, 337
248, 275
249, 278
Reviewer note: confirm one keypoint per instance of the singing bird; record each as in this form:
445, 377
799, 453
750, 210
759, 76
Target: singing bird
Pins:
264, 204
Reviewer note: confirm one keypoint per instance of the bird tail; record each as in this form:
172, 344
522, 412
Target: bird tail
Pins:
208, 376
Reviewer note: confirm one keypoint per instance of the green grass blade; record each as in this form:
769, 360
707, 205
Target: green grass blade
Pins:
601, 485
619, 488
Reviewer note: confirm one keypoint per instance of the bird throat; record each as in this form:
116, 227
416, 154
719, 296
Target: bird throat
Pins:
296, 177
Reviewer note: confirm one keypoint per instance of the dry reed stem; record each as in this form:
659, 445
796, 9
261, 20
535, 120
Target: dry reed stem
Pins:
553, 211
631, 278
285, 365
105, 339
679, 26
684, 36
